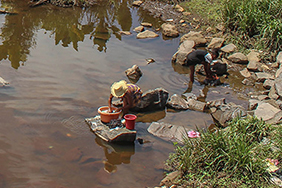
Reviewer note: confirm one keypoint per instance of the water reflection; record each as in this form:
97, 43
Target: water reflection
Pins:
67, 26
116, 154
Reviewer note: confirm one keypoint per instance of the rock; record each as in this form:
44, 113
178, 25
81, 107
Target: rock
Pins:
134, 73
147, 34
254, 66
247, 82
183, 50
238, 58
125, 32
245, 72
228, 48
197, 37
169, 30
216, 103
139, 29
177, 102
267, 84
146, 24
278, 85
265, 111
273, 93
170, 179
3, 82
188, 96
253, 104
137, 3
197, 105
253, 56
116, 135
179, 8
227, 112
216, 43
262, 76
278, 72
152, 100
168, 132
279, 58
263, 97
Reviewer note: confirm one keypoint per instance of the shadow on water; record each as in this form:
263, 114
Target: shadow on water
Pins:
67, 26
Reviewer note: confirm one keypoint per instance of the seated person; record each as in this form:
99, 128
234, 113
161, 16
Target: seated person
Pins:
201, 57
130, 94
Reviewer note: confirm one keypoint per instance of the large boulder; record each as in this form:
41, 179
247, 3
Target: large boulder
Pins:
152, 100
183, 50
197, 37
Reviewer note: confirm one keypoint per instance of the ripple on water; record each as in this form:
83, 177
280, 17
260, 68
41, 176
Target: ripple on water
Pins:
76, 124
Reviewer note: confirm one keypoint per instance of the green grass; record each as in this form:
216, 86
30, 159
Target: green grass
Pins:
250, 23
232, 157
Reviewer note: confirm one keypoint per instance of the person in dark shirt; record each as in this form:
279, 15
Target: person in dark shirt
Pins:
201, 57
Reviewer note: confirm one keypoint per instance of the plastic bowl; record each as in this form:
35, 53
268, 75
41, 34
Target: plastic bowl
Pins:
106, 117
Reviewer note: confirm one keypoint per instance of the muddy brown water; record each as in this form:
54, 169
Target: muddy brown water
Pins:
60, 63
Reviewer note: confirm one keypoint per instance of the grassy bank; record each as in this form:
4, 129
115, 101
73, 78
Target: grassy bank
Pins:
233, 157
251, 24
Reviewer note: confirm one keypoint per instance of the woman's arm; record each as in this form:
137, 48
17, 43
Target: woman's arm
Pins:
110, 102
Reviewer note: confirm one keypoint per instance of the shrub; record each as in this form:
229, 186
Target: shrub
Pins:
230, 155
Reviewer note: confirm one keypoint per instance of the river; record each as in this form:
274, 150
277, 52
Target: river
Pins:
60, 63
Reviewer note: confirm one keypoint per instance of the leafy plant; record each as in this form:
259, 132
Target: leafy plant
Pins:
234, 153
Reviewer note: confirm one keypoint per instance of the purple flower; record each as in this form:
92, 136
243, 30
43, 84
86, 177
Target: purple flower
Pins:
193, 134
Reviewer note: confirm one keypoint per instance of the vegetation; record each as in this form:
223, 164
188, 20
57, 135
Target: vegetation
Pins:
252, 23
232, 157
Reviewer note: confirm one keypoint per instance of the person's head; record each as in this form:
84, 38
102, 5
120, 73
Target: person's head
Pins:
118, 89
214, 53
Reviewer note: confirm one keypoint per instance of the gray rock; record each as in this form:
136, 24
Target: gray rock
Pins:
229, 48
134, 73
262, 76
168, 132
253, 56
254, 66
216, 43
265, 111
197, 37
238, 58
177, 102
152, 100
253, 104
273, 94
147, 34
110, 135
263, 97
278, 72
137, 3
267, 84
183, 50
188, 96
169, 30
139, 29
279, 58
227, 112
245, 72
278, 85
216, 103
248, 82
197, 105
